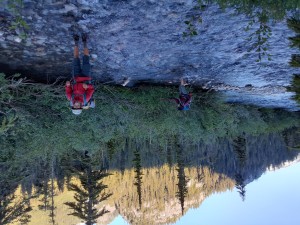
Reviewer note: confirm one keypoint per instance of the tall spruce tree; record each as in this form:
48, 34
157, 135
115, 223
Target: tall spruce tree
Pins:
89, 192
240, 149
294, 24
12, 208
138, 175
52, 193
240, 185
182, 179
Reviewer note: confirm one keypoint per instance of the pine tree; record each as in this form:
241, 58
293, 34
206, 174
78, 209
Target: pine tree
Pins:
240, 185
294, 24
42, 182
182, 180
12, 209
295, 60
138, 175
52, 194
239, 147
88, 193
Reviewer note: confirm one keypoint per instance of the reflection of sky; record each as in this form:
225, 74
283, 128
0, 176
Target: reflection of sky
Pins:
272, 199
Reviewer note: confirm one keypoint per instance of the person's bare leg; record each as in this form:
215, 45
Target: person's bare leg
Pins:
182, 82
76, 47
85, 48
76, 52
86, 51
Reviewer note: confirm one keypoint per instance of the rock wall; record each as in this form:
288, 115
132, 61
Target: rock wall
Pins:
142, 40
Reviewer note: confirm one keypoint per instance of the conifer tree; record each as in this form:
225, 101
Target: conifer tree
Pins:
12, 209
182, 180
52, 194
294, 24
239, 147
88, 193
138, 175
240, 185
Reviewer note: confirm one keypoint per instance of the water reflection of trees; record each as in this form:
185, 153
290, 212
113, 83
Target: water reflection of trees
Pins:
239, 146
202, 162
45, 187
42, 150
182, 179
89, 193
12, 208
240, 185
138, 174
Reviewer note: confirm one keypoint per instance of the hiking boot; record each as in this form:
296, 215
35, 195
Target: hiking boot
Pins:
76, 37
84, 37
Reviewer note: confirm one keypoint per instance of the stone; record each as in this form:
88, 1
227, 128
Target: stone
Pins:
69, 7
40, 42
94, 56
10, 38
141, 38
18, 39
28, 42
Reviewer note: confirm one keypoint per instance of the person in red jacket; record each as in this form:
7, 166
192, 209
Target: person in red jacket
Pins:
80, 90
185, 98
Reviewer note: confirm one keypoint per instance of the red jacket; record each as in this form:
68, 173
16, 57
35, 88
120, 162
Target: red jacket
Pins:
183, 100
78, 91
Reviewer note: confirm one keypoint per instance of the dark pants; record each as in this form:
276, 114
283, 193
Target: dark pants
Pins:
84, 70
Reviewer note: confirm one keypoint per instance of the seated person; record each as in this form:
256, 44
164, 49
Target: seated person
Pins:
185, 98
80, 91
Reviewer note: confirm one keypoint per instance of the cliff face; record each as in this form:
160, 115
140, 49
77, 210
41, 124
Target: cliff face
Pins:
143, 40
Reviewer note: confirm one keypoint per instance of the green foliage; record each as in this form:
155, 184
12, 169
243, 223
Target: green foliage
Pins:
36, 116
88, 193
138, 175
191, 27
295, 60
295, 87
7, 123
295, 41
15, 7
12, 210
294, 24
44, 125
260, 13
182, 192
260, 36
240, 186
275, 9
26, 104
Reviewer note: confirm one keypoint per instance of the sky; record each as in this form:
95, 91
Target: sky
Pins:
273, 199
